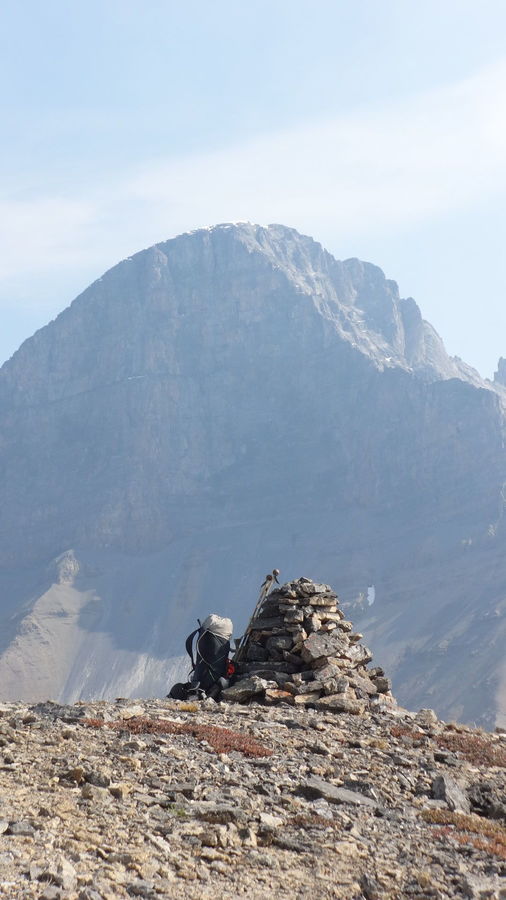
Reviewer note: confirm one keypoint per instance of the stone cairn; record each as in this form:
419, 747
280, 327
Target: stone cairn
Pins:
299, 649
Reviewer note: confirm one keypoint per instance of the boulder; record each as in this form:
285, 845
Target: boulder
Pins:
245, 689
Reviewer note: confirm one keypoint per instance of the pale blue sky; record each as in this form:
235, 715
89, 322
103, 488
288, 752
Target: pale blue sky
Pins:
377, 126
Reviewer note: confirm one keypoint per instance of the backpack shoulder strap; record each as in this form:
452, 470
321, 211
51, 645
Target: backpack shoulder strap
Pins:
189, 643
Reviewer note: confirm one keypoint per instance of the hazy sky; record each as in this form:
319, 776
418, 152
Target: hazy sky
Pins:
376, 126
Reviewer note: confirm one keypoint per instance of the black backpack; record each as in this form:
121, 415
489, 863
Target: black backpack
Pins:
208, 648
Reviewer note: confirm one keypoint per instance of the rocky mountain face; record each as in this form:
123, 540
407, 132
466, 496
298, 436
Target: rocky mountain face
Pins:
160, 799
224, 402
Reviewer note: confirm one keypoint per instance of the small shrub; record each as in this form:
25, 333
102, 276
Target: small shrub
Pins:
424, 878
178, 811
398, 731
477, 749
182, 706
492, 835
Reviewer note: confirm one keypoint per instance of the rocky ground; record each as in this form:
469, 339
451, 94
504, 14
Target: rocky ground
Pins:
203, 800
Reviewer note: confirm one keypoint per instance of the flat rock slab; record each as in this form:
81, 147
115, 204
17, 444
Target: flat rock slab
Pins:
21, 828
445, 788
316, 787
321, 646
358, 654
243, 690
278, 696
340, 704
220, 813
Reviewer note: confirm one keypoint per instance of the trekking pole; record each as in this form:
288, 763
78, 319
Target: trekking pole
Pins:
264, 591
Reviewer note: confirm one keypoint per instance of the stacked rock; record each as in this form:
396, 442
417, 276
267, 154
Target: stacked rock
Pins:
299, 649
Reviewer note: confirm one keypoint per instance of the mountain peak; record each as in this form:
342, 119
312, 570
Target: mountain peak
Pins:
194, 283
353, 296
222, 397
500, 375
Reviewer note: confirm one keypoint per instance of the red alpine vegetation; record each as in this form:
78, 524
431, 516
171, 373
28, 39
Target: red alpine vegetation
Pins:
222, 740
